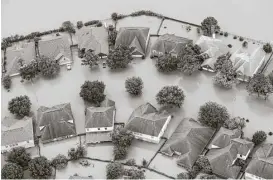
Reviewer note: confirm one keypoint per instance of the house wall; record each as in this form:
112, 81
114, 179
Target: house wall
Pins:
251, 176
25, 144
102, 129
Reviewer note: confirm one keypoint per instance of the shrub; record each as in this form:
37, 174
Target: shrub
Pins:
245, 44
99, 24
221, 33
229, 45
234, 123
270, 76
234, 37
193, 172
134, 85
120, 57
48, 67
91, 59
221, 80
146, 13
81, 53
59, 162
267, 48
76, 153
79, 24
198, 31
134, 173
111, 28
90, 23
20, 106
93, 92
12, 171
40, 168
6, 81
19, 156
204, 164
209, 176
183, 175
166, 63
213, 114
144, 162
130, 162
29, 71
114, 170
209, 25
241, 39
226, 34
240, 162
259, 137
170, 95
260, 84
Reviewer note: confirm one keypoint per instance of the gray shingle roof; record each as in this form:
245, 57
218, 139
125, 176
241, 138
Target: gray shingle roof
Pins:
146, 120
15, 131
99, 117
221, 161
243, 145
262, 163
169, 43
56, 122
133, 36
188, 141
224, 137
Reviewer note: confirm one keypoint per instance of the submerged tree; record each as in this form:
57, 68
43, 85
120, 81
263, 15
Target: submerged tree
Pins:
20, 106
260, 84
213, 114
6, 81
259, 137
209, 25
90, 59
79, 24
166, 63
69, 27
40, 168
93, 92
114, 170
220, 61
59, 162
120, 57
12, 171
19, 156
170, 96
112, 36
267, 48
49, 68
29, 71
134, 85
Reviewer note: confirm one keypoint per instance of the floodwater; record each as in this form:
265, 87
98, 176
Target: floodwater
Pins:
250, 18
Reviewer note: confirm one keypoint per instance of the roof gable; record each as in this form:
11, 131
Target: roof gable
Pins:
99, 117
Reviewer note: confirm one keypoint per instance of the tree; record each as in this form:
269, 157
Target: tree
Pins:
259, 84
270, 76
209, 25
20, 106
79, 24
120, 57
6, 81
69, 27
234, 123
12, 171
267, 48
90, 59
40, 168
204, 164
183, 175
222, 81
112, 37
134, 85
114, 170
19, 156
259, 137
134, 173
48, 67
220, 61
93, 91
59, 162
122, 140
190, 64
170, 95
29, 71
166, 63
213, 114
114, 16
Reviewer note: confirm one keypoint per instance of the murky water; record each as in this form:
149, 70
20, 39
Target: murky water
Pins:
250, 18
